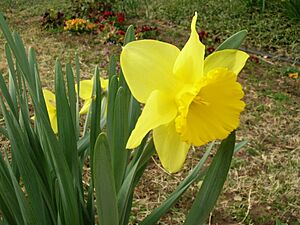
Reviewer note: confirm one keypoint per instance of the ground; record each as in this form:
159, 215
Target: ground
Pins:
263, 183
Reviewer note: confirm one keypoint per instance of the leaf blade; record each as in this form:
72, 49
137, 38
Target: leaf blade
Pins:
106, 198
213, 183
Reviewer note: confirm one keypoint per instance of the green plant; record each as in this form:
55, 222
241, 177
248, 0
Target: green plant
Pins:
42, 181
252, 4
53, 20
292, 8
280, 223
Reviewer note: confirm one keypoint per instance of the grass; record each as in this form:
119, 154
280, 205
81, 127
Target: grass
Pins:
237, 16
263, 183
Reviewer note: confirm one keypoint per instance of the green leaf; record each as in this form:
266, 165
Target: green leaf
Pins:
119, 138
77, 69
106, 199
112, 92
3, 131
66, 132
112, 67
9, 206
6, 95
72, 96
212, 184
95, 114
240, 145
157, 213
65, 196
20, 148
129, 36
278, 222
29, 216
10, 63
83, 144
95, 111
233, 42
125, 193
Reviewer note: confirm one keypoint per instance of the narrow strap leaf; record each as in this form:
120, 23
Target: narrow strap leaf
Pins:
131, 180
212, 184
112, 92
129, 36
234, 41
72, 96
106, 198
66, 131
157, 213
119, 138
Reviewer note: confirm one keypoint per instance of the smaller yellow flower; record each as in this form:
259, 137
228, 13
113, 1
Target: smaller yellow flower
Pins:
77, 24
86, 92
293, 75
51, 108
90, 26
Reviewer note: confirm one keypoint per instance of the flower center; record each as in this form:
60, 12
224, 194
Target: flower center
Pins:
199, 100
189, 95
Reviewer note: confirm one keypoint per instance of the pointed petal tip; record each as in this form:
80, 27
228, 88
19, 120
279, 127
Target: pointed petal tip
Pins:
194, 21
131, 144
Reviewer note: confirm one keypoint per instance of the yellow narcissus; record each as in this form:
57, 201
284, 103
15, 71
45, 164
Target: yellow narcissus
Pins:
188, 100
51, 108
86, 92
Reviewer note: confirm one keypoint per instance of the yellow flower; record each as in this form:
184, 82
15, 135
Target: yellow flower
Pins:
90, 26
293, 75
51, 108
86, 92
188, 100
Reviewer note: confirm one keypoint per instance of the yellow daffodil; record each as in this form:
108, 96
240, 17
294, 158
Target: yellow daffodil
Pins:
51, 108
86, 92
188, 100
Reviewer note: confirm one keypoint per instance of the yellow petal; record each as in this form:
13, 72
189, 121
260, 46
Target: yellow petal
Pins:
189, 64
171, 150
215, 111
86, 89
233, 60
53, 121
147, 66
159, 109
86, 106
104, 83
49, 99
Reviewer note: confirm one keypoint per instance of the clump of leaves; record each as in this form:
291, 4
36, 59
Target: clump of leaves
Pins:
52, 19
292, 8
280, 223
146, 31
141, 32
98, 18
88, 17
256, 4
292, 72
84, 9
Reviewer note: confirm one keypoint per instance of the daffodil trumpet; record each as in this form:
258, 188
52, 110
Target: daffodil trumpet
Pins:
189, 99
